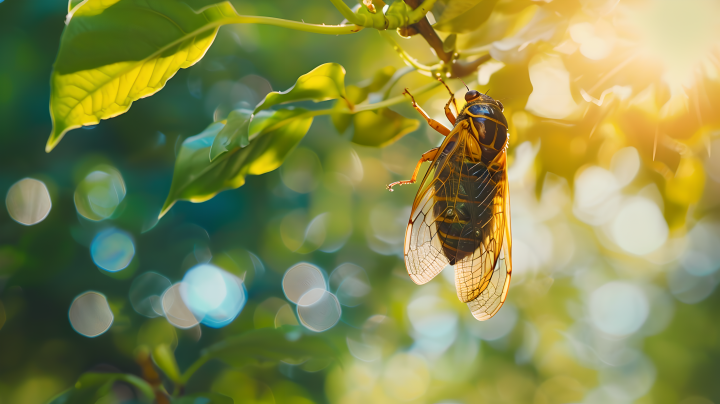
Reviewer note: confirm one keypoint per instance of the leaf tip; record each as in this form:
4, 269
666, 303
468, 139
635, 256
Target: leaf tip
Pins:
53, 140
166, 207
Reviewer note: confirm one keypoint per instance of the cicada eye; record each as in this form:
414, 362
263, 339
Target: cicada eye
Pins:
500, 105
471, 95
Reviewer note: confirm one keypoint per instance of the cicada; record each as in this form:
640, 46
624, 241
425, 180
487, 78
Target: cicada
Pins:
461, 213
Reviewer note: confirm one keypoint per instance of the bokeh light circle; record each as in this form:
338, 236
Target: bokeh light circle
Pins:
596, 195
301, 170
28, 201
300, 279
176, 312
146, 294
702, 255
112, 250
99, 193
214, 296
90, 314
691, 289
318, 310
639, 227
432, 316
618, 308
625, 165
631, 380
350, 284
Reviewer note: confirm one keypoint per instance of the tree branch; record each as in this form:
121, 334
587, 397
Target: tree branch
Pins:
457, 68
424, 28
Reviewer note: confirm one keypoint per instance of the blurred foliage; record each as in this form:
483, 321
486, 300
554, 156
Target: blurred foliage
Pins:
613, 180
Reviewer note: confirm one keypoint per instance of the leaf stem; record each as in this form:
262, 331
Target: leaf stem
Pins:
296, 25
405, 56
192, 369
476, 51
358, 108
394, 79
346, 11
451, 67
395, 100
308, 114
426, 30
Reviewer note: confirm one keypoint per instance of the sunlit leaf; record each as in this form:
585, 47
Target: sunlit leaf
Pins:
381, 78
381, 128
165, 360
263, 345
552, 95
342, 116
325, 82
243, 388
234, 134
450, 43
461, 16
115, 52
72, 4
92, 386
544, 25
204, 398
198, 179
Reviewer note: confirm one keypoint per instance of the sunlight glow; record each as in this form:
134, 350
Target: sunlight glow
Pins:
680, 34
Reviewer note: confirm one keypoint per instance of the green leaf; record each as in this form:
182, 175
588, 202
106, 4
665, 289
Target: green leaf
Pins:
72, 4
462, 16
381, 128
234, 134
450, 43
114, 52
341, 116
165, 360
204, 398
381, 78
271, 345
92, 386
325, 82
272, 138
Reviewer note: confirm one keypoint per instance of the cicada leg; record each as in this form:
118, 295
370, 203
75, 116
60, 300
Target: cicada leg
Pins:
449, 113
427, 156
433, 123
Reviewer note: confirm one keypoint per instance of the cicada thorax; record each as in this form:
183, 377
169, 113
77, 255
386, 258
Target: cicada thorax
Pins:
488, 125
472, 179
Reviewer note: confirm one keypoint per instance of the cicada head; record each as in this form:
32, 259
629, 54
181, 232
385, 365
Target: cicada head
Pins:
488, 123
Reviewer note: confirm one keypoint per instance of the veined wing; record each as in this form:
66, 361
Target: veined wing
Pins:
492, 297
424, 254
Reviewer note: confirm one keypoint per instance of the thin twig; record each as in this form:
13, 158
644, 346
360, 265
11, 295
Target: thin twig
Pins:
151, 376
426, 30
457, 68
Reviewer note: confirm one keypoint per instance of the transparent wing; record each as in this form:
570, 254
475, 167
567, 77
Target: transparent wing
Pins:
493, 296
424, 254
